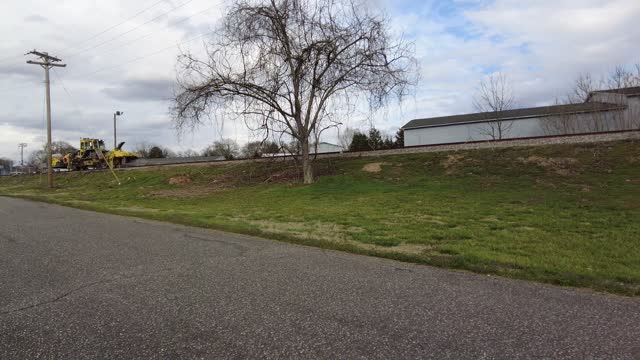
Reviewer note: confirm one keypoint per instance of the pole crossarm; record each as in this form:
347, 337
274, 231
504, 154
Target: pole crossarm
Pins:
43, 55
45, 64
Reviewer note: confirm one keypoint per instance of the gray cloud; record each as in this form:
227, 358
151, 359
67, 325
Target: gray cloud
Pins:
188, 27
141, 90
21, 69
36, 18
456, 42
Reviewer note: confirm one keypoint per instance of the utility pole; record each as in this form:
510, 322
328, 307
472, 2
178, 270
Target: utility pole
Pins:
115, 114
47, 62
22, 146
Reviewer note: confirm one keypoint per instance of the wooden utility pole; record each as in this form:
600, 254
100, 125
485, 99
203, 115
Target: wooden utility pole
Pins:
47, 62
22, 146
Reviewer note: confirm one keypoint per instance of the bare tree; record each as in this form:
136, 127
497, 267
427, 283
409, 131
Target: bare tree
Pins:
187, 153
227, 148
345, 136
597, 120
143, 148
256, 149
564, 123
287, 65
37, 158
622, 77
494, 97
583, 86
61, 147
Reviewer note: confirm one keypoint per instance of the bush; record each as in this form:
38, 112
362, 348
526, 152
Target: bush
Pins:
256, 149
156, 153
226, 148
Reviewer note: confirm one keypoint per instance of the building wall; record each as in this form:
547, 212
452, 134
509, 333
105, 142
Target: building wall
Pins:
633, 111
630, 119
521, 128
326, 148
569, 139
611, 98
468, 132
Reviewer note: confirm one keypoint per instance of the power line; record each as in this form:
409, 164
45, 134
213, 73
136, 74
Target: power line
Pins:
73, 100
55, 73
147, 55
152, 33
129, 31
114, 48
118, 65
115, 26
2, 60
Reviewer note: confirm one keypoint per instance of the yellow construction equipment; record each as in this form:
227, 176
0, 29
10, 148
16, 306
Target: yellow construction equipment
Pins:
93, 155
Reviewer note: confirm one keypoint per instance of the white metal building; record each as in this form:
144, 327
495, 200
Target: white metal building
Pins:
325, 147
608, 110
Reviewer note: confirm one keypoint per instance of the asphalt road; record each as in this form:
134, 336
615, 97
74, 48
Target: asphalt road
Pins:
78, 284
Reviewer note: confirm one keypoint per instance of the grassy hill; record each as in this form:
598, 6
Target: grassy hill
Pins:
567, 214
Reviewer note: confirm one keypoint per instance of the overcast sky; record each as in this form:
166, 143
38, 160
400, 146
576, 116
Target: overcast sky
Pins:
121, 56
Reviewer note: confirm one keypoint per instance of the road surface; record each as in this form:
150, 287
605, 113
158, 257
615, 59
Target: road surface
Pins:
78, 284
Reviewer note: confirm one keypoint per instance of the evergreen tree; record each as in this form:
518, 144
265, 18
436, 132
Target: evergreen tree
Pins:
375, 139
359, 142
388, 143
399, 143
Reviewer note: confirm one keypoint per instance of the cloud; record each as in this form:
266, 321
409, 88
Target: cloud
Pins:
540, 44
141, 90
14, 71
36, 19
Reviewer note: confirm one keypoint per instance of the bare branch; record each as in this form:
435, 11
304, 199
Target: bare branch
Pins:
494, 96
284, 63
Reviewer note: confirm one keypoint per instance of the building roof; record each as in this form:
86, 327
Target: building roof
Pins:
513, 114
628, 91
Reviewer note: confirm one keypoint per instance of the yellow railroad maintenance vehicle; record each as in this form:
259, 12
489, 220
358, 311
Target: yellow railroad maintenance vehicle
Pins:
93, 155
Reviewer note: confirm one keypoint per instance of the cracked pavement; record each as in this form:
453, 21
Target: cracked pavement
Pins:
78, 284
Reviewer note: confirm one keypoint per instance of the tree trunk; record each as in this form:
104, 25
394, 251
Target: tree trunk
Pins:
307, 169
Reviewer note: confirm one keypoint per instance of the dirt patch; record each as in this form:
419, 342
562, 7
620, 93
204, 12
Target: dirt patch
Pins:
546, 183
374, 168
223, 181
180, 180
634, 159
451, 163
226, 181
560, 166
287, 176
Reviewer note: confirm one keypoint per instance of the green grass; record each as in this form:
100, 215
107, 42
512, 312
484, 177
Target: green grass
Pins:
567, 215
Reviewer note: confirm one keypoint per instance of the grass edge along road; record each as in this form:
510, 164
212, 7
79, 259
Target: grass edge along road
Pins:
560, 214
